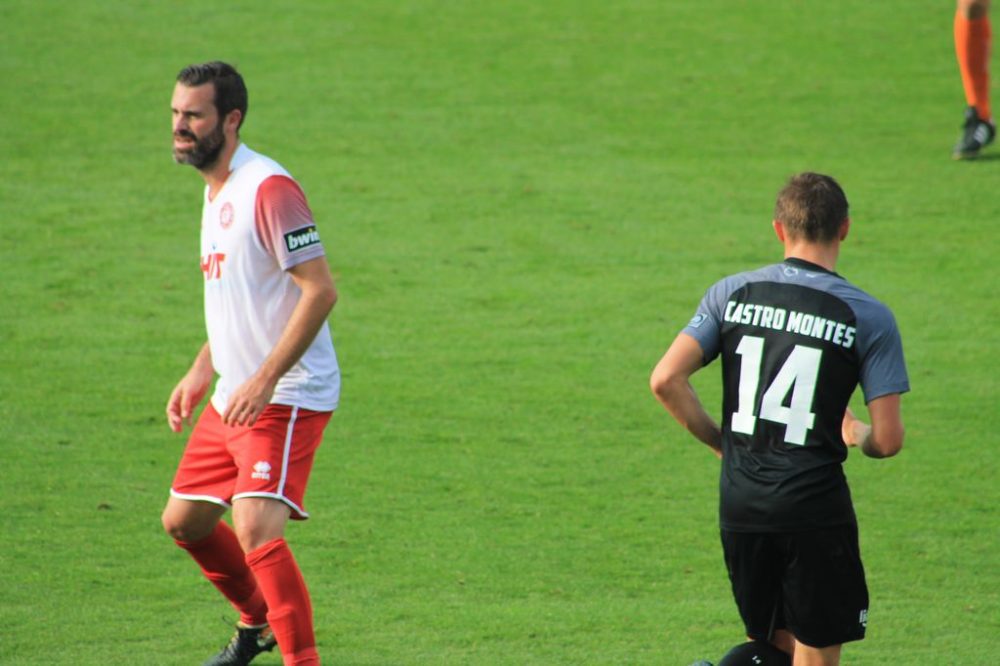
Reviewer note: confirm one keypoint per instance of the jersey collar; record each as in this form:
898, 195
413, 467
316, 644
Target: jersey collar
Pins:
808, 266
241, 156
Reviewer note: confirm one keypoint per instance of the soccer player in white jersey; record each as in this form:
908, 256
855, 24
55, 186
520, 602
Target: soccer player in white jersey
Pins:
268, 291
795, 340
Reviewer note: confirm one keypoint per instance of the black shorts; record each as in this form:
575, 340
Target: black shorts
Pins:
810, 583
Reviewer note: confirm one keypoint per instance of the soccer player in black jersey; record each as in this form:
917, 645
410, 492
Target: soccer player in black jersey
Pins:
795, 340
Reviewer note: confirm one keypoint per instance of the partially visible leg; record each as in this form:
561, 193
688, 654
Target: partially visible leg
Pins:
196, 527
811, 656
274, 461
190, 521
826, 594
973, 9
973, 41
754, 564
784, 641
757, 652
260, 525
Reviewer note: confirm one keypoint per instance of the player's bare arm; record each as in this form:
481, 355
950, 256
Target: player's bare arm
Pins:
884, 437
317, 299
670, 383
190, 390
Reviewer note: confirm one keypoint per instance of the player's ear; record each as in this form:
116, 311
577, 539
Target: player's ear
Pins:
845, 226
232, 121
779, 230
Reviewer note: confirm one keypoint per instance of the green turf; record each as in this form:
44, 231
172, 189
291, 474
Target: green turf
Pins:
522, 203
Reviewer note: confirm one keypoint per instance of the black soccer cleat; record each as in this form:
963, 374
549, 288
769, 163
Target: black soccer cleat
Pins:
976, 135
245, 644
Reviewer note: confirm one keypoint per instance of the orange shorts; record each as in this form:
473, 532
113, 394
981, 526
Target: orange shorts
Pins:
272, 458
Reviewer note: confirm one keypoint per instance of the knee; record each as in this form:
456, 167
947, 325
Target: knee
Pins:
258, 521
180, 529
173, 527
252, 534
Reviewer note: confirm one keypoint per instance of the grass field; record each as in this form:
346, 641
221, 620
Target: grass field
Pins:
522, 203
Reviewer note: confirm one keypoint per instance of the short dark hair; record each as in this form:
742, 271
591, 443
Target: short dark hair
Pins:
230, 91
812, 206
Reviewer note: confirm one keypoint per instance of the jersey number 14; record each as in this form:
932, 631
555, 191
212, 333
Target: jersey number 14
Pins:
797, 375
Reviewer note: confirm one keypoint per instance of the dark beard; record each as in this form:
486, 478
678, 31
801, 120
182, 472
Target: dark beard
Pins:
205, 151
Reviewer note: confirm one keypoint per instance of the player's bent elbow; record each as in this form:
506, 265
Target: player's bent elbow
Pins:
893, 446
654, 383
665, 385
886, 436
885, 444
659, 382
325, 297
331, 297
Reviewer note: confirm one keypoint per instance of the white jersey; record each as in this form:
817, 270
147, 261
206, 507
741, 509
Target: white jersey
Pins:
257, 227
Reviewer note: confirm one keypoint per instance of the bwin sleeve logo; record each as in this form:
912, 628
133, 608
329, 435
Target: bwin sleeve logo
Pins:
301, 238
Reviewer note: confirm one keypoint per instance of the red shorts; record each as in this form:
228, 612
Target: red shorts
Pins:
272, 458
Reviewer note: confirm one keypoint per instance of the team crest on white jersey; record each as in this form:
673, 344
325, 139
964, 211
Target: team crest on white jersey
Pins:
261, 470
226, 215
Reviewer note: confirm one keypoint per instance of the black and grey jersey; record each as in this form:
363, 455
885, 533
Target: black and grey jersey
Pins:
795, 341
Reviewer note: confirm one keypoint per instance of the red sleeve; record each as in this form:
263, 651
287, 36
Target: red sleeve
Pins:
284, 222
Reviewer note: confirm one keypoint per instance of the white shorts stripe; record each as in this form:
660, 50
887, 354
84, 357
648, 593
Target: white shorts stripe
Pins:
287, 451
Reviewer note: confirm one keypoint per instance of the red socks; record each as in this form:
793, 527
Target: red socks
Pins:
289, 609
973, 38
222, 561
268, 572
